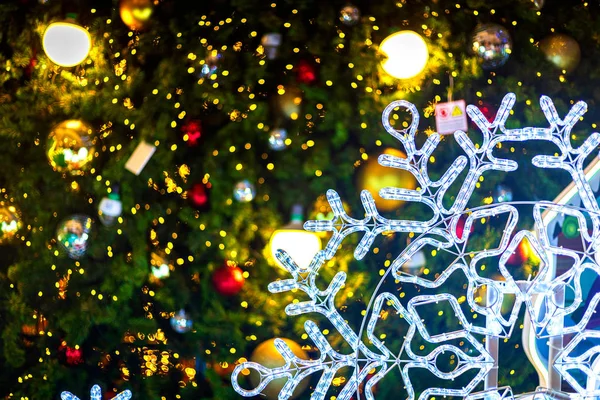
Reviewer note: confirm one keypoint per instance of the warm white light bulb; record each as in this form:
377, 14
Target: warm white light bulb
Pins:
66, 44
406, 54
300, 245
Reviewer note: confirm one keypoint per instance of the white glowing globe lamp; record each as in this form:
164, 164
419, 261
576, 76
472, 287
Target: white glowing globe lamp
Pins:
406, 54
66, 44
301, 245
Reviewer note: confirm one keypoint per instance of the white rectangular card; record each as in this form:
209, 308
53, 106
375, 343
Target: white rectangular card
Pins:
451, 117
140, 157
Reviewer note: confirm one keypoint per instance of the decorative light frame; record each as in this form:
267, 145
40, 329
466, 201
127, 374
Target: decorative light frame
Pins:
440, 232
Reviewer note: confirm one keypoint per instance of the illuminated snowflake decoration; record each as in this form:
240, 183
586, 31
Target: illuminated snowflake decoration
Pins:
543, 295
96, 394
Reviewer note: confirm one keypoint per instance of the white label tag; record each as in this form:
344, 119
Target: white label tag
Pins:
451, 117
140, 157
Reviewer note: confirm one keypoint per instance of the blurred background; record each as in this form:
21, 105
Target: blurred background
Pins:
155, 153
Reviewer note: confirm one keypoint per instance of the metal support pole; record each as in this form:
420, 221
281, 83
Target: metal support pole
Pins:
491, 344
556, 344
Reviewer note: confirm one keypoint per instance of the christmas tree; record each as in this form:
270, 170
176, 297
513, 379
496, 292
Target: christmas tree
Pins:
153, 148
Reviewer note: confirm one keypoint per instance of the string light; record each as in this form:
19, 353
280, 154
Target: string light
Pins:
369, 351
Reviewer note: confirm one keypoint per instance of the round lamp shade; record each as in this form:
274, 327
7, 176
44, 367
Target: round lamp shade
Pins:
406, 54
301, 246
66, 44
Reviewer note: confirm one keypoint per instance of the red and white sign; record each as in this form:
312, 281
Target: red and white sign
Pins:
451, 117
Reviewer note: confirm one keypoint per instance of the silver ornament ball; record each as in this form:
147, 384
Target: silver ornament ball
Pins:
502, 193
73, 235
416, 265
349, 15
492, 45
181, 322
537, 4
277, 139
211, 64
244, 191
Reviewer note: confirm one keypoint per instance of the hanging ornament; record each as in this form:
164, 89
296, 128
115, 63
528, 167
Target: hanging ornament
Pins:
244, 191
306, 72
37, 328
492, 45
161, 268
136, 13
71, 147
65, 43
181, 322
71, 355
28, 71
349, 15
277, 139
271, 42
416, 265
223, 369
110, 207
140, 157
502, 193
10, 222
460, 226
300, 245
188, 368
405, 54
488, 111
570, 227
192, 132
536, 4
198, 195
561, 50
372, 177
289, 103
72, 235
229, 279
211, 64
266, 354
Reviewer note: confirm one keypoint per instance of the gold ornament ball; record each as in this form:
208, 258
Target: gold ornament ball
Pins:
561, 50
373, 177
136, 13
10, 222
267, 355
71, 147
290, 103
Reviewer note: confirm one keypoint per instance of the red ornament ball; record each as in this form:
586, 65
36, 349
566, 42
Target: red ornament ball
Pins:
198, 195
306, 72
192, 132
460, 226
488, 112
28, 71
229, 279
73, 356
